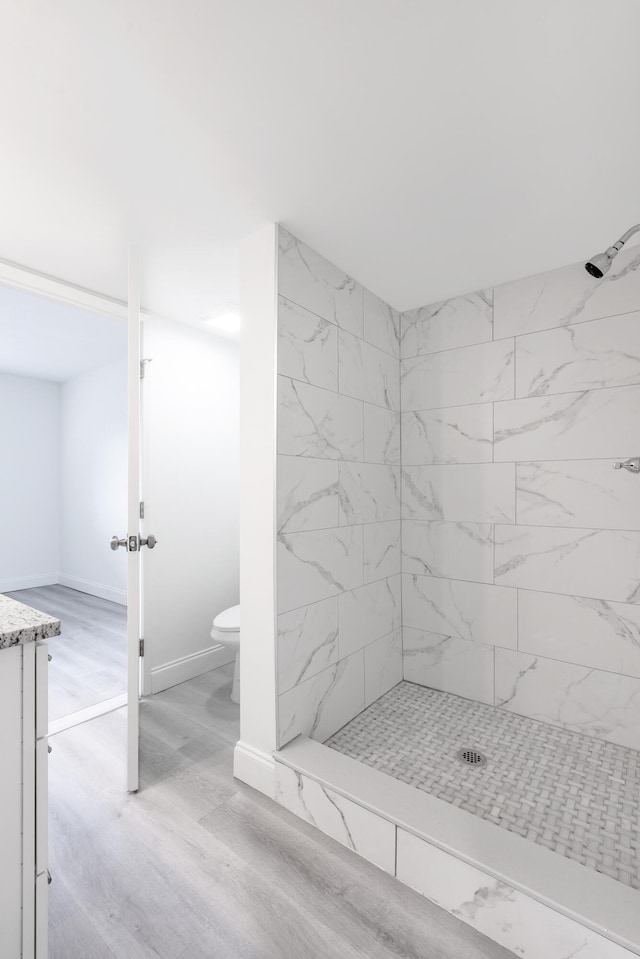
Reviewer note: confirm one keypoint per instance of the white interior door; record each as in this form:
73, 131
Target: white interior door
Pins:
133, 523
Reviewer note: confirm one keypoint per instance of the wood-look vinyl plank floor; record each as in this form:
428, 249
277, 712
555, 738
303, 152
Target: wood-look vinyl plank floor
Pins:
199, 866
89, 663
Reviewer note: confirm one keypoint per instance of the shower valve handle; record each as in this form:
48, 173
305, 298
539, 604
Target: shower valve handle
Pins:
632, 465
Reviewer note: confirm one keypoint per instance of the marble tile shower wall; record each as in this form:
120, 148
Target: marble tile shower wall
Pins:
520, 543
338, 495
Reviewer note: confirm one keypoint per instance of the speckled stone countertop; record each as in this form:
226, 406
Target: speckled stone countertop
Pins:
21, 624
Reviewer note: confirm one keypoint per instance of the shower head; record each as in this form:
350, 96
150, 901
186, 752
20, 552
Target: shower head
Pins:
599, 264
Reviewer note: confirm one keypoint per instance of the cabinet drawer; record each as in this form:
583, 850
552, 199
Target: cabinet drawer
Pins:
42, 690
42, 916
42, 805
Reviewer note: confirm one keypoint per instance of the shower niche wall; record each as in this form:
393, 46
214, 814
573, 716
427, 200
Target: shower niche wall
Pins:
458, 566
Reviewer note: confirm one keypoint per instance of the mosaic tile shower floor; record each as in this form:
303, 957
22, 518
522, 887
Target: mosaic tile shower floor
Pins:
576, 795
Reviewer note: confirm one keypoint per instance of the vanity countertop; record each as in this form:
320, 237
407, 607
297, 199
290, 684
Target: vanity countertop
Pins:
21, 624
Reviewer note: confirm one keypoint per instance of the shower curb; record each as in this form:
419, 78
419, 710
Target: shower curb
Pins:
519, 894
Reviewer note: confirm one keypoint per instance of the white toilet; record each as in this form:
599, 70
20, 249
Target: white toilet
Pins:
226, 631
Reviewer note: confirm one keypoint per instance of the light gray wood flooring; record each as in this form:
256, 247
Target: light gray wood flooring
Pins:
89, 662
198, 866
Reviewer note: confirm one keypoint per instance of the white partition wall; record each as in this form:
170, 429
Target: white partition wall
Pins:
30, 482
93, 480
253, 755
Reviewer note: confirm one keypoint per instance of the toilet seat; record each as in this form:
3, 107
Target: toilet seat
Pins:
228, 621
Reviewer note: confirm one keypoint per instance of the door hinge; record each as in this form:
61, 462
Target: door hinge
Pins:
142, 365
142, 647
142, 509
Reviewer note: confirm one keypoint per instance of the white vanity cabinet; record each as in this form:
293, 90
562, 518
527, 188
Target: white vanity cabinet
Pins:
24, 855
23, 801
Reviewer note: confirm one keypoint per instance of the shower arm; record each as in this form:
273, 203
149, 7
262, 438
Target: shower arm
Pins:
615, 248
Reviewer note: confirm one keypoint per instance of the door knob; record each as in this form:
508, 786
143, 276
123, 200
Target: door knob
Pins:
115, 542
632, 465
148, 541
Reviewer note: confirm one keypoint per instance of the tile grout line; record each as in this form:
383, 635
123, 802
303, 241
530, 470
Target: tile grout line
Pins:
524, 589
337, 326
515, 335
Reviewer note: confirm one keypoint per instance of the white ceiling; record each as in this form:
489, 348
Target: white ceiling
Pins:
49, 340
428, 148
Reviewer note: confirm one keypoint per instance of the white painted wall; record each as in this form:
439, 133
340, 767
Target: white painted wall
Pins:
29, 482
253, 754
93, 487
191, 492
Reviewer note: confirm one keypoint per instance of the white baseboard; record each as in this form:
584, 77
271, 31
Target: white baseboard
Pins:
188, 667
94, 589
29, 582
255, 768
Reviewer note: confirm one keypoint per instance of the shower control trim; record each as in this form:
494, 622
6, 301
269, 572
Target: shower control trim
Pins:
632, 465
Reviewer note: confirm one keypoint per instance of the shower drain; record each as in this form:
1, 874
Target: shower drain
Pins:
472, 757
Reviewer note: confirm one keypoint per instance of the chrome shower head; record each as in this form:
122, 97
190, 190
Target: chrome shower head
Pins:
600, 264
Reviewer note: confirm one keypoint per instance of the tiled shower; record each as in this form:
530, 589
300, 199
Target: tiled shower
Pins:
455, 546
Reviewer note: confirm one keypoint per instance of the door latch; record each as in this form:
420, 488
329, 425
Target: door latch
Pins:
632, 465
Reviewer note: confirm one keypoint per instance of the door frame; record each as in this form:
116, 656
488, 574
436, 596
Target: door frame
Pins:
22, 278
32, 281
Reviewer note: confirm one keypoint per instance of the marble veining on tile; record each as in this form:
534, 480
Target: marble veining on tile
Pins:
588, 493
460, 434
567, 295
367, 373
471, 374
473, 611
345, 821
381, 435
600, 563
451, 550
316, 564
307, 642
307, 346
483, 493
381, 324
319, 706
20, 624
593, 423
461, 321
594, 355
382, 555
525, 926
306, 278
448, 663
307, 493
576, 795
316, 422
367, 613
382, 666
589, 632
368, 493
585, 700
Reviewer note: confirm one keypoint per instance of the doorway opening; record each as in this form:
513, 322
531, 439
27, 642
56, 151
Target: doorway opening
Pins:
63, 414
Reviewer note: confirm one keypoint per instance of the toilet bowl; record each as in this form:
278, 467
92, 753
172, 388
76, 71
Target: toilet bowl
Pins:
226, 631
